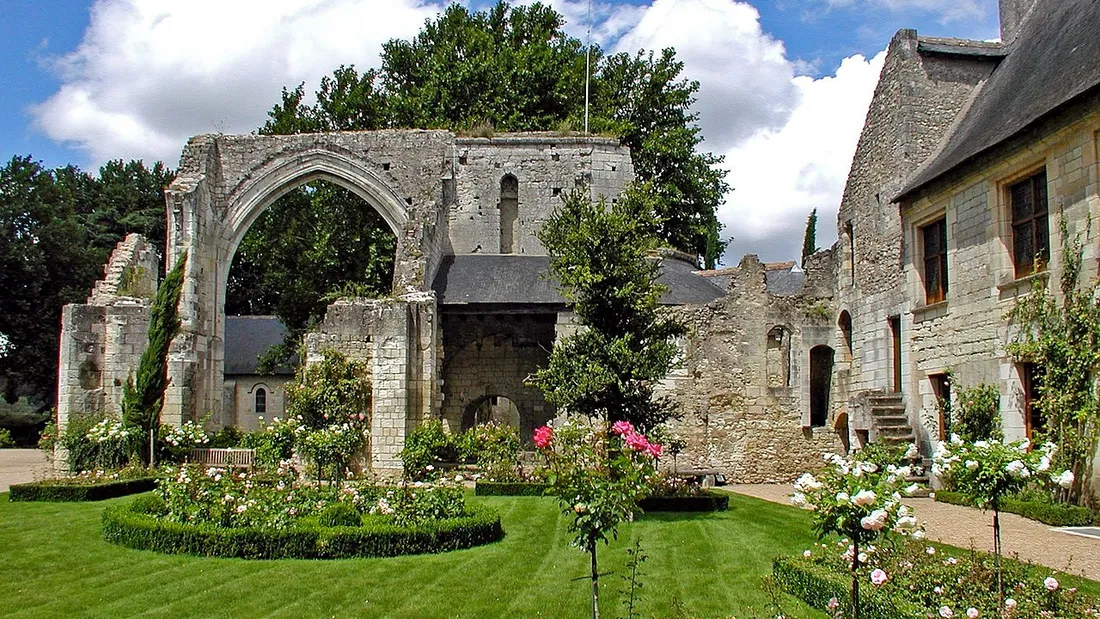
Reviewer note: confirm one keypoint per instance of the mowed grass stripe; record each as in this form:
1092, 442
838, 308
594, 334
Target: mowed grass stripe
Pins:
711, 562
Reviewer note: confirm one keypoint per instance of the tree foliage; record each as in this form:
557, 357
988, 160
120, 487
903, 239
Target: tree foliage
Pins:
809, 241
57, 228
143, 395
598, 252
1060, 333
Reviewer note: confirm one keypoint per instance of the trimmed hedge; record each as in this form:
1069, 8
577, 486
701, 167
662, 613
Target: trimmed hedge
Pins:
1047, 513
709, 501
69, 493
815, 585
505, 488
125, 526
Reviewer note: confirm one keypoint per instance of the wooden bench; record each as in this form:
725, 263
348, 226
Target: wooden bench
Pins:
224, 458
708, 478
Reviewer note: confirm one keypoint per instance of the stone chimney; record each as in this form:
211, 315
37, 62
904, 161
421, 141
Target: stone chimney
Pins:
1013, 13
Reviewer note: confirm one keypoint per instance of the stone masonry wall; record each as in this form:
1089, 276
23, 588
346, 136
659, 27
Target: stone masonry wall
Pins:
733, 421
399, 339
967, 333
546, 167
919, 94
493, 355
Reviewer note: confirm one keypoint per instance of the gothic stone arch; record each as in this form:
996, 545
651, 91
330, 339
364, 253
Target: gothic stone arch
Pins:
226, 182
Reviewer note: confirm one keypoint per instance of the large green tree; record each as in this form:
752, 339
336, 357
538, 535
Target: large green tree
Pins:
57, 228
599, 254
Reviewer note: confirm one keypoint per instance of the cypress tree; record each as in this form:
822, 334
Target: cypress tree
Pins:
142, 398
809, 242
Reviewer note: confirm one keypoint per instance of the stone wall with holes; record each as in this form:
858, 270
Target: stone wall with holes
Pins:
488, 355
544, 167
102, 339
740, 416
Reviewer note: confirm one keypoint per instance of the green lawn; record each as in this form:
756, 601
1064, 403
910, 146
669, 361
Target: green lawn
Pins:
54, 563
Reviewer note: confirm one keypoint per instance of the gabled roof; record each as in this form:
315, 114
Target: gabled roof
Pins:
1054, 60
508, 279
248, 337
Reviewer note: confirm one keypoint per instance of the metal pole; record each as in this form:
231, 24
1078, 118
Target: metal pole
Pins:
587, 66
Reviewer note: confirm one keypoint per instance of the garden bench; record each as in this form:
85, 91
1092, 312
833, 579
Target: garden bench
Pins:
227, 458
708, 478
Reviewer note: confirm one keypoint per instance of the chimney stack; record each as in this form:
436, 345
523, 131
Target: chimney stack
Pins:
1013, 13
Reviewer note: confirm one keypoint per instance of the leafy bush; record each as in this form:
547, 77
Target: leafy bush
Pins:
151, 504
495, 448
274, 444
96, 442
63, 491
177, 441
129, 527
340, 515
426, 445
1056, 515
227, 437
916, 580
6, 441
976, 414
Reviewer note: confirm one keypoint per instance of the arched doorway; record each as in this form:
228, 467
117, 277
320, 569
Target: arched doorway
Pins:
496, 409
821, 380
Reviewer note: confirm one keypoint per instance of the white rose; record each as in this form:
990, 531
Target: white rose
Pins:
864, 498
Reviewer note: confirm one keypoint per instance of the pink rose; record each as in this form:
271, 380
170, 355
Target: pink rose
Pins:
622, 428
543, 436
878, 577
654, 450
636, 441
1050, 583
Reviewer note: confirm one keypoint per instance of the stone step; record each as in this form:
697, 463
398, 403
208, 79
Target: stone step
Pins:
894, 430
887, 410
891, 420
886, 399
896, 439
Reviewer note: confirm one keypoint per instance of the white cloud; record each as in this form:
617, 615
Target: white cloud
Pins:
744, 75
151, 73
778, 176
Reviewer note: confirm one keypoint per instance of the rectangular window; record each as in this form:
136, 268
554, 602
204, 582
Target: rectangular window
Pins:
1030, 231
935, 261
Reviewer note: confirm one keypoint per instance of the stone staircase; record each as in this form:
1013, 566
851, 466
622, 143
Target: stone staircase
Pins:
891, 426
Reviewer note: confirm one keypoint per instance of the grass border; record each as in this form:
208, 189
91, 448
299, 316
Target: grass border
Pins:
47, 491
126, 526
1054, 515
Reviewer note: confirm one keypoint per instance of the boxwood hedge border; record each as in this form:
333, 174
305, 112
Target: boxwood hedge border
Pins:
1054, 515
708, 501
126, 526
816, 585
54, 492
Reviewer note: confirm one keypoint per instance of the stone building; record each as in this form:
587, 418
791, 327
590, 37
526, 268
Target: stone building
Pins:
251, 397
970, 154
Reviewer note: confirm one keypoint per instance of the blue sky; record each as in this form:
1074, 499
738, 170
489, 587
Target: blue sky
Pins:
784, 83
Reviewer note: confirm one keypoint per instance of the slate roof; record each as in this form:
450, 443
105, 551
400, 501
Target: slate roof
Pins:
246, 338
496, 279
784, 282
1054, 59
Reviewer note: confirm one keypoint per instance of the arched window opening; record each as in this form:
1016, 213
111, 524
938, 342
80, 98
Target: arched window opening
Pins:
779, 358
491, 409
821, 379
509, 214
261, 401
845, 324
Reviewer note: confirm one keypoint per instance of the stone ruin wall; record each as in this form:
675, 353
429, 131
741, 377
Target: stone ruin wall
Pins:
102, 339
733, 421
398, 338
546, 168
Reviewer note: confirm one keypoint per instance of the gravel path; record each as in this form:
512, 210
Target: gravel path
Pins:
18, 466
965, 527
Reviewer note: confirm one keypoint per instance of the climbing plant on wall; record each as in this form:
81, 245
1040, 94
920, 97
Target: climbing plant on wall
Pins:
1060, 334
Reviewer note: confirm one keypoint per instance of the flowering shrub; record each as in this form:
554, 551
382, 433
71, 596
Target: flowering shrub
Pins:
331, 447
859, 501
275, 443
599, 474
178, 441
946, 582
987, 472
110, 441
